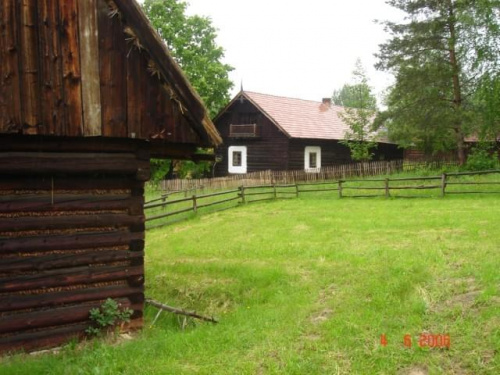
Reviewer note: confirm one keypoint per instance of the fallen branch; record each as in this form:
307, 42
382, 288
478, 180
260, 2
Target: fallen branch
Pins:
175, 310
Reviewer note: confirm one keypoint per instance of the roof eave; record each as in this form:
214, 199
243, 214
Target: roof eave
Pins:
196, 114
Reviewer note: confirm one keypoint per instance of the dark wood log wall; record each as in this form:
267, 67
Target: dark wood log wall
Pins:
71, 234
69, 68
268, 151
334, 153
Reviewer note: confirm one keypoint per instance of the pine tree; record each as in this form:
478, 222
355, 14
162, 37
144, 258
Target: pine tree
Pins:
360, 106
438, 56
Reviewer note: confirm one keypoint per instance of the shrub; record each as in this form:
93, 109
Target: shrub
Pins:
482, 157
109, 315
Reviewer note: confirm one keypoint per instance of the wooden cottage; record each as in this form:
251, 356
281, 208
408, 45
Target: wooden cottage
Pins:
262, 132
88, 94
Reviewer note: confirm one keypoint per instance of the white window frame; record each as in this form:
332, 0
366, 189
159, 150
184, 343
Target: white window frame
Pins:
233, 169
310, 150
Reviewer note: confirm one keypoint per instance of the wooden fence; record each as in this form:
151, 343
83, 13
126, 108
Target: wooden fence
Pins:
269, 177
285, 177
410, 187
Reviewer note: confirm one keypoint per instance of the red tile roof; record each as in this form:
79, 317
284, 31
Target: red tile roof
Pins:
300, 118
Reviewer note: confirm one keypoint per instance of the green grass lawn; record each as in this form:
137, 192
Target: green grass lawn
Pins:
308, 286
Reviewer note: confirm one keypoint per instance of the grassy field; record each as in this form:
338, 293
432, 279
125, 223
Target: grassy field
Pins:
179, 205
308, 286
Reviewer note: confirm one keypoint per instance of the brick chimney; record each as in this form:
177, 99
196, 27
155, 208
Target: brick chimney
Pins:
327, 102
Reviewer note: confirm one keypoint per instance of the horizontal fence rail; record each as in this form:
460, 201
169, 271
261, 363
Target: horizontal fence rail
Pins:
159, 209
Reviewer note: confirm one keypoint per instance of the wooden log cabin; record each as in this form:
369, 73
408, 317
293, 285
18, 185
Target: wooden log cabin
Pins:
88, 94
266, 132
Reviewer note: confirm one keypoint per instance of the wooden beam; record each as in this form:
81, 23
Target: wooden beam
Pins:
76, 183
180, 151
56, 202
112, 67
11, 142
51, 76
16, 224
53, 317
89, 57
203, 157
29, 67
70, 242
67, 277
14, 302
41, 339
10, 88
46, 262
71, 68
19, 163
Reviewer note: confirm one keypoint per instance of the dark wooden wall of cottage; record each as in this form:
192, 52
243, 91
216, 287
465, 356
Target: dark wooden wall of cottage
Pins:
334, 153
71, 234
267, 151
68, 69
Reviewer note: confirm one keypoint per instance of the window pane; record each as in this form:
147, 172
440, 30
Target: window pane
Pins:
312, 160
236, 158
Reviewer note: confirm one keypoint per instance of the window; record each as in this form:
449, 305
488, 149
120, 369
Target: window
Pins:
312, 159
243, 131
237, 159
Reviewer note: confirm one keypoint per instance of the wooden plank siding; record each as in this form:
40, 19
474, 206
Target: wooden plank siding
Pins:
70, 237
52, 93
28, 31
72, 68
136, 93
10, 84
88, 32
113, 65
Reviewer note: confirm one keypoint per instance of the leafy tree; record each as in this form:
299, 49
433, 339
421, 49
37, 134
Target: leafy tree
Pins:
487, 102
191, 39
439, 56
360, 106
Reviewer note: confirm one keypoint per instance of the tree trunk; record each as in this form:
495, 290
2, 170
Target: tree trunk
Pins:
460, 148
457, 88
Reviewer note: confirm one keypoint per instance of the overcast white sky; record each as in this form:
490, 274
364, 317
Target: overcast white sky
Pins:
302, 49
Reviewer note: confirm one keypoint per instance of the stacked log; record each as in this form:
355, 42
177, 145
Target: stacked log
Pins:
71, 235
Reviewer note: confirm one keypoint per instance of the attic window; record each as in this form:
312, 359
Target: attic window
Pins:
237, 159
243, 131
312, 159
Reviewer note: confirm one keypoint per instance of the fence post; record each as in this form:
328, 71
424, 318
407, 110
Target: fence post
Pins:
297, 189
274, 190
340, 188
443, 184
387, 188
195, 205
242, 194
